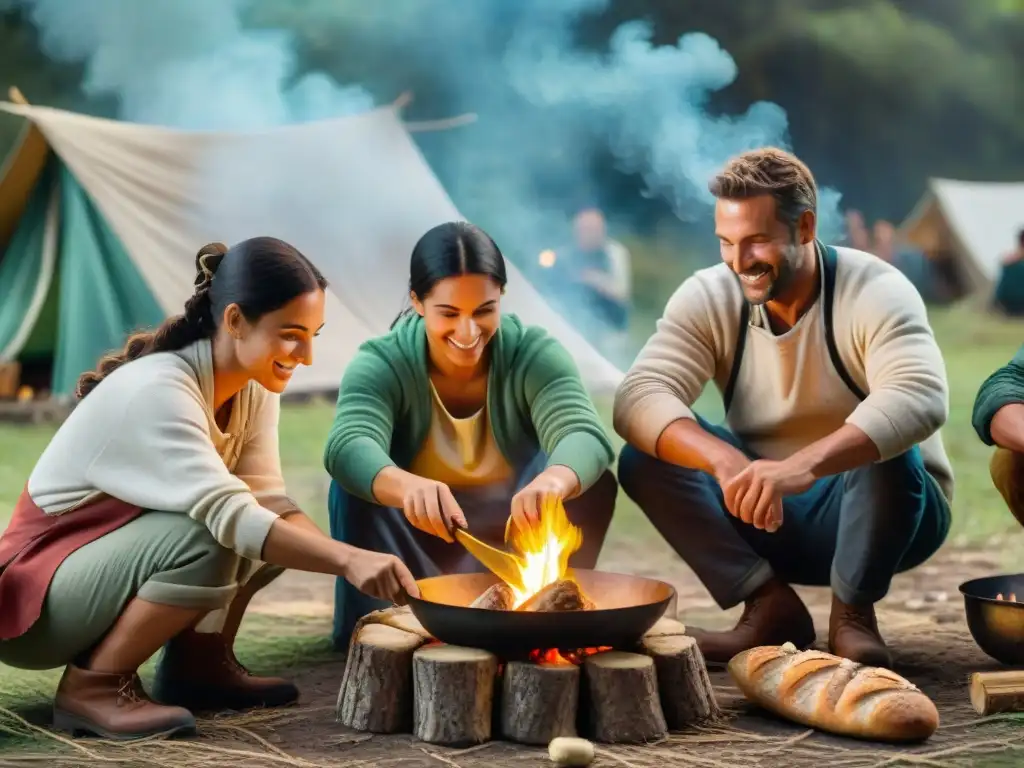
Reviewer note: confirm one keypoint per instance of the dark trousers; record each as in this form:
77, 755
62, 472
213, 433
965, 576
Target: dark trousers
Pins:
851, 531
385, 529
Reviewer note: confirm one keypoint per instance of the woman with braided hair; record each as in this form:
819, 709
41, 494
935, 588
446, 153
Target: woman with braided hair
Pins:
158, 509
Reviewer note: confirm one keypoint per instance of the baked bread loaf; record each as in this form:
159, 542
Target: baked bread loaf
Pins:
834, 694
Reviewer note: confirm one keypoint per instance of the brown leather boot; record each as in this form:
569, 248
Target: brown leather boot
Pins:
853, 634
773, 615
114, 706
199, 670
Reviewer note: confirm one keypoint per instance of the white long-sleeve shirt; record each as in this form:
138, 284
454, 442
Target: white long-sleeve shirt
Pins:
787, 394
147, 435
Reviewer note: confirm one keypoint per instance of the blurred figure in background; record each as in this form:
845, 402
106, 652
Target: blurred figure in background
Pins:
1009, 293
857, 231
598, 277
884, 245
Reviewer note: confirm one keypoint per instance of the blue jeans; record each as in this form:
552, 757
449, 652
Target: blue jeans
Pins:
851, 531
384, 529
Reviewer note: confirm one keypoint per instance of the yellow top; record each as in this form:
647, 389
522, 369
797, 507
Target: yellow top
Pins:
460, 452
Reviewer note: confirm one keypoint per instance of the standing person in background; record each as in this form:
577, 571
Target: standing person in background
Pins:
857, 235
599, 272
831, 469
158, 509
460, 416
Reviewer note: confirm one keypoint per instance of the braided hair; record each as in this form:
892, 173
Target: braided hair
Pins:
260, 275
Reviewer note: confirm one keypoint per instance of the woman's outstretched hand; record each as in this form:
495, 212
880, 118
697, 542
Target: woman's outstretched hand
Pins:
379, 575
556, 483
431, 507
382, 576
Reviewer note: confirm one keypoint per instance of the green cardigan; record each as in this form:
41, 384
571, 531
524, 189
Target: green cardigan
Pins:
536, 401
1003, 387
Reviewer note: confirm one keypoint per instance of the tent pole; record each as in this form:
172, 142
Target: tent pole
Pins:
403, 100
442, 125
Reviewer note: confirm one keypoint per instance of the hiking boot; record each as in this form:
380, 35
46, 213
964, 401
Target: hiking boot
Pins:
199, 671
773, 615
113, 705
853, 634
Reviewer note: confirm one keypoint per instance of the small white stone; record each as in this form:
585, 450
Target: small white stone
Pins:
915, 604
568, 751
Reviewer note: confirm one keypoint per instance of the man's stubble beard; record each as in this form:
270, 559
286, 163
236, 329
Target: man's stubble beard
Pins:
782, 280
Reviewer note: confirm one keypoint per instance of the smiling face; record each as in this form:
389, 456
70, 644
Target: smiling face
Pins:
759, 248
461, 316
269, 350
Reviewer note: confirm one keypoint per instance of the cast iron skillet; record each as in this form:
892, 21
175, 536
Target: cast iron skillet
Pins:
627, 607
996, 625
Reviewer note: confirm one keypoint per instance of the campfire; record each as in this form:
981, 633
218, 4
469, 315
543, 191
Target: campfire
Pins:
546, 582
562, 652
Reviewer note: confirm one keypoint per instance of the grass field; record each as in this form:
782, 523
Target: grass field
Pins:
974, 345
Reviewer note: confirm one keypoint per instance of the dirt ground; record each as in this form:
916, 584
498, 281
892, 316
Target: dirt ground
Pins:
922, 619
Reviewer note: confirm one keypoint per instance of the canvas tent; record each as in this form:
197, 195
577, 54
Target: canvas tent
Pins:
100, 221
967, 227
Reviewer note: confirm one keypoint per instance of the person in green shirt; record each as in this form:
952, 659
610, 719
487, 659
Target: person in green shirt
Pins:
998, 418
460, 416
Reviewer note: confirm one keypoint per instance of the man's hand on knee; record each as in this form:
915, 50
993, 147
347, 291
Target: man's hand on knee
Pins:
755, 495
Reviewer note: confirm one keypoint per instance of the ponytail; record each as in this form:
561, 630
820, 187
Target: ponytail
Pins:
175, 333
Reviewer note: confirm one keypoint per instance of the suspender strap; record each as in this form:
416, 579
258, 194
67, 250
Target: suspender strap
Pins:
829, 258
737, 360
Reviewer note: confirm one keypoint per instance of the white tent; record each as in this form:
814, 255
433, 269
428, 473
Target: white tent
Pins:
354, 194
974, 224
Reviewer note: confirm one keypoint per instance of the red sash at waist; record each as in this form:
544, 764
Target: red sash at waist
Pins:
35, 544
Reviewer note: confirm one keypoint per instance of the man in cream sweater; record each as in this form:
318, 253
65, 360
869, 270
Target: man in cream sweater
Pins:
830, 470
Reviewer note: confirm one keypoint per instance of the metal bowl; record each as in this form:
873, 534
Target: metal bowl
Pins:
997, 626
627, 607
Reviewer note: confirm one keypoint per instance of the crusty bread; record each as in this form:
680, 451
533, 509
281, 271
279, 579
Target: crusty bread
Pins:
834, 694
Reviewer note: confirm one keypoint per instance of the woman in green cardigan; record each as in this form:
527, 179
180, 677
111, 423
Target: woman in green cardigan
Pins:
460, 416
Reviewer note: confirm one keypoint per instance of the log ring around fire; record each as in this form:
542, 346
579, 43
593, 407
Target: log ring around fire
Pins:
627, 606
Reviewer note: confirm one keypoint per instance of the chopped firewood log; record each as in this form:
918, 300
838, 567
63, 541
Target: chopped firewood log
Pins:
563, 595
376, 693
497, 597
539, 701
622, 701
665, 627
687, 696
994, 692
453, 692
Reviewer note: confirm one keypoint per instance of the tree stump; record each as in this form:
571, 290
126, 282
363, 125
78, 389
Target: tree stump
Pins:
687, 697
376, 693
623, 703
453, 689
539, 701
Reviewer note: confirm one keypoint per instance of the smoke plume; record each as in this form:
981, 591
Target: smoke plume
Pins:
546, 104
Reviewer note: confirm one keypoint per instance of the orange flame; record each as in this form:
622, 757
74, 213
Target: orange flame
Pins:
544, 549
